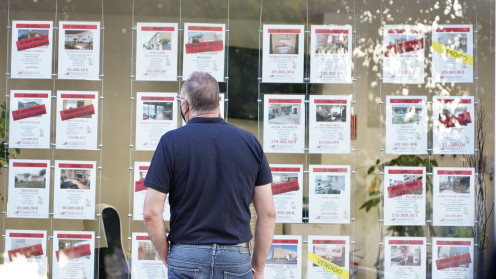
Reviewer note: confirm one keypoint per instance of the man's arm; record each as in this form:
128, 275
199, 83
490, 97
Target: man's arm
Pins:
264, 230
154, 222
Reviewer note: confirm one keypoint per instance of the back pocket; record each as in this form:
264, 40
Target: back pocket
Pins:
232, 275
182, 272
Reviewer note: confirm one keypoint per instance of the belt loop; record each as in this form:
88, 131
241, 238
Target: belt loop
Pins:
214, 248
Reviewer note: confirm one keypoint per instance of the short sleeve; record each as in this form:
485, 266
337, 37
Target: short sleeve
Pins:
264, 175
159, 174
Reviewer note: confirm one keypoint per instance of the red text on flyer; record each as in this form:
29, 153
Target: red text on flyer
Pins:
404, 47
204, 46
412, 187
285, 187
77, 112
32, 42
455, 261
28, 112
28, 252
75, 252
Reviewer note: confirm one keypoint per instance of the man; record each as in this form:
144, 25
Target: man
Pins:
211, 171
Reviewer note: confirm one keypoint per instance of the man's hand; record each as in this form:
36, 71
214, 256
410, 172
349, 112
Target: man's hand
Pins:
154, 222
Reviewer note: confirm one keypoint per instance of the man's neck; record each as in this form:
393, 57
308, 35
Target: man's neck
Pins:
207, 114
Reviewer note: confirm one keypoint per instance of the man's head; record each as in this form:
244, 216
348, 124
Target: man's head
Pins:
200, 95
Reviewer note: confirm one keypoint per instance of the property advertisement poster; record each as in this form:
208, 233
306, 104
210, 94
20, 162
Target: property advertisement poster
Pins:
29, 123
140, 171
287, 189
283, 52
453, 196
453, 125
453, 53
32, 44
284, 259
204, 49
156, 51
222, 105
328, 257
330, 54
284, 123
405, 257
79, 50
29, 188
404, 196
156, 114
73, 254
329, 194
74, 189
403, 54
406, 125
330, 125
146, 262
77, 120
452, 258
28, 245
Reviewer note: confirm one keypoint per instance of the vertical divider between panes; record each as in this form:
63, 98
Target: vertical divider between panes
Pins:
259, 77
353, 145
477, 152
5, 142
382, 147
306, 78
429, 106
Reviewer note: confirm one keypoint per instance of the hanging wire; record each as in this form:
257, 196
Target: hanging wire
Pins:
306, 214
228, 31
429, 131
381, 154
259, 78
353, 129
477, 152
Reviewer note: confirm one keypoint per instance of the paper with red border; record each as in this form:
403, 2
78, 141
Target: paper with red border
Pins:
28, 245
287, 186
32, 43
335, 249
140, 171
73, 254
283, 52
145, 259
452, 258
405, 257
285, 257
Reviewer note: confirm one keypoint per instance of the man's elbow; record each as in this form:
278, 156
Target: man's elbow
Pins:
269, 215
150, 213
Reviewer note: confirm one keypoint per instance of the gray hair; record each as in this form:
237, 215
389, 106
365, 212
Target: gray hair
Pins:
201, 91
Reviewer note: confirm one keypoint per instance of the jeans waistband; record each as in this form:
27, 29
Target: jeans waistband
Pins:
243, 244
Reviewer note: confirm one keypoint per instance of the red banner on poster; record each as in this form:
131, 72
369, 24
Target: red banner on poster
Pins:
408, 188
75, 252
404, 47
285, 187
331, 101
28, 112
204, 46
286, 241
32, 42
462, 119
156, 28
455, 261
139, 185
28, 252
77, 112
321, 241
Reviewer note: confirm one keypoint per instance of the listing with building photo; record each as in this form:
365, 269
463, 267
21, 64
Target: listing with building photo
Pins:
77, 120
73, 254
403, 54
405, 257
453, 196
404, 196
284, 259
452, 258
323, 249
27, 246
406, 125
74, 189
329, 197
204, 49
29, 123
140, 171
31, 47
330, 54
452, 53
284, 123
79, 50
453, 125
146, 262
283, 52
29, 188
156, 114
287, 188
156, 51
330, 125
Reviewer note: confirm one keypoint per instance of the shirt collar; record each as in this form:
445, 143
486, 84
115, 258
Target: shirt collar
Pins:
207, 120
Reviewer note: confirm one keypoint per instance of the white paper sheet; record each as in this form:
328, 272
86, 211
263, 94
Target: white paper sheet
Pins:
405, 257
285, 257
73, 254
287, 189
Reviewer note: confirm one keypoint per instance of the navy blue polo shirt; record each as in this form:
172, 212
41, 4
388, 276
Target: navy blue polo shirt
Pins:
209, 170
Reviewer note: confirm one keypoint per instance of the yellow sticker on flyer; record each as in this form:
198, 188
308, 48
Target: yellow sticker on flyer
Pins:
453, 53
327, 265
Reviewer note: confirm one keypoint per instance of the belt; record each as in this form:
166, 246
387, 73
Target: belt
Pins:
243, 244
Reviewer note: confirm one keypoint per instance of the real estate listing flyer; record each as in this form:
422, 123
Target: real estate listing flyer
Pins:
330, 54
403, 54
29, 245
156, 113
406, 125
156, 51
329, 197
204, 49
328, 257
283, 52
79, 50
74, 189
404, 196
330, 125
146, 262
453, 196
287, 188
77, 120
284, 259
284, 123
29, 123
452, 258
31, 47
222, 105
73, 254
405, 257
452, 53
29, 188
453, 125
140, 171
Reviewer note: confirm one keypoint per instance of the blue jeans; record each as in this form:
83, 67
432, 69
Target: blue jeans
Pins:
209, 262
